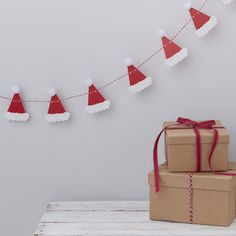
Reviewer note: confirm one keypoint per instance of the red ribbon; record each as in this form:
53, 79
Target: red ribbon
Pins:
196, 126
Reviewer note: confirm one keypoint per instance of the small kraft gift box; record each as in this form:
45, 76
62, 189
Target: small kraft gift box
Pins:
196, 198
196, 146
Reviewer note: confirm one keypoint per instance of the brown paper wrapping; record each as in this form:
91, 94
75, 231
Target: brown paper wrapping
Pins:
213, 198
181, 149
232, 170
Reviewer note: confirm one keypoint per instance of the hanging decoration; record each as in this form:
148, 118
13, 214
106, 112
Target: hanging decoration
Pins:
137, 80
174, 53
96, 102
16, 110
202, 22
56, 111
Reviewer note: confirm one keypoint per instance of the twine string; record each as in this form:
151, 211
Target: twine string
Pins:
190, 183
119, 78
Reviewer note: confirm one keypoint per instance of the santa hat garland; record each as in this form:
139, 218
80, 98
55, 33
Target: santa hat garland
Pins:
227, 1
16, 111
202, 22
137, 80
56, 111
96, 102
173, 52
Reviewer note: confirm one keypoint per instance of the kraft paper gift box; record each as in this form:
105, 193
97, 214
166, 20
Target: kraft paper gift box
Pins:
199, 198
231, 171
180, 148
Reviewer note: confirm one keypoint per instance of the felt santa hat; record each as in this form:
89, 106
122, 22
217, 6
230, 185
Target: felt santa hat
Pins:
173, 52
227, 1
202, 22
137, 80
56, 111
96, 102
16, 111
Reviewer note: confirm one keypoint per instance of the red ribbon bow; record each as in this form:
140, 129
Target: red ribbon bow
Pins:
208, 124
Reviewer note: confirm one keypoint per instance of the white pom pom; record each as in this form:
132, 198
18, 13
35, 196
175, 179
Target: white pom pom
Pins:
15, 89
128, 61
52, 91
188, 5
161, 33
88, 82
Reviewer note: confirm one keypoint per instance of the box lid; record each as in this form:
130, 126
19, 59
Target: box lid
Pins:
232, 166
181, 135
201, 180
231, 169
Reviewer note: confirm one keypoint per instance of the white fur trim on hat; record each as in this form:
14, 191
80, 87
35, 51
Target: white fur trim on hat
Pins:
209, 25
179, 56
128, 61
15, 89
99, 107
52, 91
58, 117
141, 85
12, 116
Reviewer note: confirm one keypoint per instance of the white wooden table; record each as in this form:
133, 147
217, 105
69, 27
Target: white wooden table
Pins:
114, 219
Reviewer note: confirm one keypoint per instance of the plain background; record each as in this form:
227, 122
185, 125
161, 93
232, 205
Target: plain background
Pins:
105, 156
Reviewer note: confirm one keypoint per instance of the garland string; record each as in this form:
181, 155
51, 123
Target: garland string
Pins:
148, 59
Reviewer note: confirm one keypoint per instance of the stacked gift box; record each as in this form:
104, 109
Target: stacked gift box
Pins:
197, 184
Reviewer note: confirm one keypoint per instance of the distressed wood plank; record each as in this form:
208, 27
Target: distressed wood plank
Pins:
135, 229
99, 206
74, 228
114, 219
95, 216
147, 233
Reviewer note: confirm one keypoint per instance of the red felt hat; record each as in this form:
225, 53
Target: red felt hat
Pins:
96, 102
202, 22
16, 110
173, 52
56, 111
137, 80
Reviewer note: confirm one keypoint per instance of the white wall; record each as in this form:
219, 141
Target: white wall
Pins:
106, 156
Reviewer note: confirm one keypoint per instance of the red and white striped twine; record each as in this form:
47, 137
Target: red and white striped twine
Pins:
190, 182
148, 59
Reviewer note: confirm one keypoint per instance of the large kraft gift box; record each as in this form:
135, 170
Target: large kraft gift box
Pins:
199, 198
231, 171
180, 148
